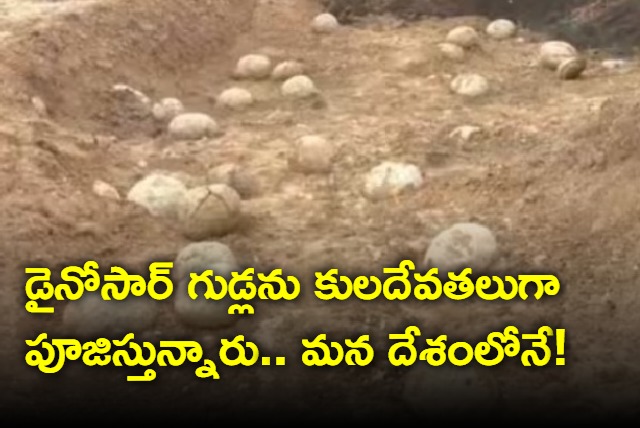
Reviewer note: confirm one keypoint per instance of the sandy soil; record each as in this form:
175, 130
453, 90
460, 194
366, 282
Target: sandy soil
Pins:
554, 173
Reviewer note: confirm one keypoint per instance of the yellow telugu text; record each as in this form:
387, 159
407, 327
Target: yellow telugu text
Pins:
319, 353
241, 287
119, 285
53, 354
404, 284
86, 278
501, 344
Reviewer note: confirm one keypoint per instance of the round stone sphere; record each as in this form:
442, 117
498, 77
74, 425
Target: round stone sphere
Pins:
464, 245
160, 194
209, 211
313, 154
236, 98
572, 68
553, 53
501, 29
299, 86
391, 178
193, 126
463, 36
166, 109
324, 23
198, 257
253, 66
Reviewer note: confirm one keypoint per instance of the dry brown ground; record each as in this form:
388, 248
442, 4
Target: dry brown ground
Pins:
554, 173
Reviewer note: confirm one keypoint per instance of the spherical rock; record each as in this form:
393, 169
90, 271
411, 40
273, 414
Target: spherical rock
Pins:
299, 86
324, 23
253, 66
447, 391
451, 51
392, 178
193, 126
160, 194
572, 68
313, 154
470, 85
553, 53
93, 316
463, 36
501, 29
196, 258
209, 211
166, 109
205, 254
464, 245
287, 69
236, 98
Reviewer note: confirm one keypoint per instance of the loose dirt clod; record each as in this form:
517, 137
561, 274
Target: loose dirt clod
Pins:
39, 106
392, 178
139, 102
236, 98
105, 190
463, 245
197, 258
160, 194
470, 85
209, 211
465, 132
193, 126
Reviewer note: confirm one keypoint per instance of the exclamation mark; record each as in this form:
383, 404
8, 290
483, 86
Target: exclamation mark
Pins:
560, 346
